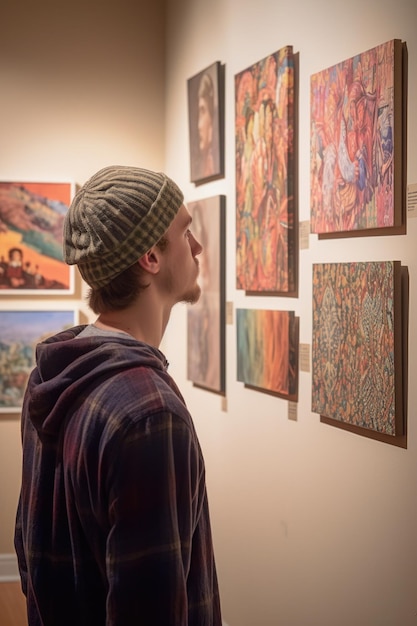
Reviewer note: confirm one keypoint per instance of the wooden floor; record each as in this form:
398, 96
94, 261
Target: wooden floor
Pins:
12, 605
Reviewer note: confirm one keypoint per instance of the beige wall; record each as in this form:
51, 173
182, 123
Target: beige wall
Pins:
82, 86
313, 526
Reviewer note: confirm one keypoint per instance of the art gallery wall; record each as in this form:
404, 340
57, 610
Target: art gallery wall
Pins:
312, 525
82, 87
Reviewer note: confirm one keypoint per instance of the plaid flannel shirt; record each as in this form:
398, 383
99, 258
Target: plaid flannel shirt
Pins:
113, 523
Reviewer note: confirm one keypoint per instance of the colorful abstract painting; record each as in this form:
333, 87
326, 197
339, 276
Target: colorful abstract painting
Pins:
264, 131
356, 347
356, 139
31, 223
267, 351
206, 318
20, 332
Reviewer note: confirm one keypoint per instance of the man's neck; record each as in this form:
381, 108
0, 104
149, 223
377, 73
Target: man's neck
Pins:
143, 323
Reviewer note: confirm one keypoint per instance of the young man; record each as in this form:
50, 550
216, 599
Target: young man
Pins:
113, 524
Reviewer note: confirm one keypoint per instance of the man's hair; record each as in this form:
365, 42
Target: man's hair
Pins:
122, 290
206, 91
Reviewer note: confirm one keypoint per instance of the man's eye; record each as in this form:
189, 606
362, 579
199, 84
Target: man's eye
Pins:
188, 233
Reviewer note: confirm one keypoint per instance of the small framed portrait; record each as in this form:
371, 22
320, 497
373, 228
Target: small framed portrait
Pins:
31, 223
206, 124
206, 321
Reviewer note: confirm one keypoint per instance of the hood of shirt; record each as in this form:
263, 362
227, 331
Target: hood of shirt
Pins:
66, 365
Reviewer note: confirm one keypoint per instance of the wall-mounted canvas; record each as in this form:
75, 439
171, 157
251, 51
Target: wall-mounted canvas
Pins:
20, 332
205, 93
357, 143
206, 318
31, 222
357, 360
267, 351
264, 136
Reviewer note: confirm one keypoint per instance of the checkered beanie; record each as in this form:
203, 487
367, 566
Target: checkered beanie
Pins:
115, 218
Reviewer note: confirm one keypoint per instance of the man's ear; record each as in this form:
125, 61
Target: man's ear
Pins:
150, 261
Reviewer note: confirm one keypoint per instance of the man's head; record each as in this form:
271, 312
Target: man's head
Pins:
205, 112
117, 216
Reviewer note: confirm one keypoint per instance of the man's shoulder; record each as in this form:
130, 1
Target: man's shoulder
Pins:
140, 391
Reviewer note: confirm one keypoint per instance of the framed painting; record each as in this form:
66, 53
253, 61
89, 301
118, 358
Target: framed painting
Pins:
265, 189
31, 222
267, 351
356, 126
205, 93
357, 363
20, 332
206, 318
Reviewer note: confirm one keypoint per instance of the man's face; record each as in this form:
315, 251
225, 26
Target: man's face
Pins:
180, 269
205, 126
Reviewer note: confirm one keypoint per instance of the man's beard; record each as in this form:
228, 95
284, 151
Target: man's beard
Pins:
193, 295
189, 296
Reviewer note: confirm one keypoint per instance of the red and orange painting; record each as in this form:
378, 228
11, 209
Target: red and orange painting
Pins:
31, 223
267, 351
264, 132
356, 142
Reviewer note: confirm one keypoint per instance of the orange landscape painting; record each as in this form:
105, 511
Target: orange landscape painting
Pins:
31, 222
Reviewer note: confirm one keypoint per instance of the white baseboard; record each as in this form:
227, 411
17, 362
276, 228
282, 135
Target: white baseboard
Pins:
9, 570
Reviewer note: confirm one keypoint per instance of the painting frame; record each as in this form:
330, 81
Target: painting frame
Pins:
205, 98
31, 238
266, 176
267, 351
358, 145
358, 352
21, 330
206, 319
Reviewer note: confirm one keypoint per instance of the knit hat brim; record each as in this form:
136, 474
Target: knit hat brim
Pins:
115, 218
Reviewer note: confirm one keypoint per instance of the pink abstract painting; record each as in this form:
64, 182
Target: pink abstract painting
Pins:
356, 139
